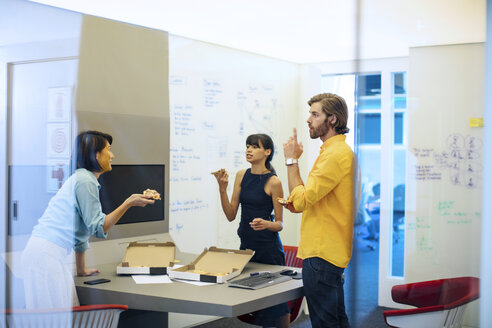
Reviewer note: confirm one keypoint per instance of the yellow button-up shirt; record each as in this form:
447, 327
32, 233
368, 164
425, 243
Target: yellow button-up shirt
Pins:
326, 201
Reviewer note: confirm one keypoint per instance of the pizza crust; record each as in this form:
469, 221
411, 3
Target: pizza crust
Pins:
152, 193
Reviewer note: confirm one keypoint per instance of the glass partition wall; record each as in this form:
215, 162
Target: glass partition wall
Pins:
420, 210
417, 129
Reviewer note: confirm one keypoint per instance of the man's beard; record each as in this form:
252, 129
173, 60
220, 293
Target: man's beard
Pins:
319, 131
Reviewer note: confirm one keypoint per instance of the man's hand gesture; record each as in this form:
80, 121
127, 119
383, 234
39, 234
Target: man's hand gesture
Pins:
293, 148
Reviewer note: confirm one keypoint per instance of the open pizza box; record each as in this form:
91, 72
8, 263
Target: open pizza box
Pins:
147, 258
214, 265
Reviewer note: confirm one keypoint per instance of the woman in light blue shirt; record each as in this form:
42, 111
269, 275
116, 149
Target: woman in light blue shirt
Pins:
72, 216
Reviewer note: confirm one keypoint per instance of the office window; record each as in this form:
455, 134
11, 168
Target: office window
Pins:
399, 91
399, 128
369, 128
369, 106
368, 90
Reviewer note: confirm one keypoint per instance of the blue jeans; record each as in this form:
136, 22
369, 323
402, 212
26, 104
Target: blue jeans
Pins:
323, 288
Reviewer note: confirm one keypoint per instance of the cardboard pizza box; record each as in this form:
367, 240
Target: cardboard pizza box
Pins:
147, 258
214, 265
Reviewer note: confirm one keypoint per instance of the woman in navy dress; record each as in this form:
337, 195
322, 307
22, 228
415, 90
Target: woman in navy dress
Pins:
257, 189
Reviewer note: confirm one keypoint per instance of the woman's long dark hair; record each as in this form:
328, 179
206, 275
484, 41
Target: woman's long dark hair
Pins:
263, 140
87, 145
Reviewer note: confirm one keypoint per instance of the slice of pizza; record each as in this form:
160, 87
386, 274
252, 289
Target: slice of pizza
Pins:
288, 205
217, 172
282, 201
152, 193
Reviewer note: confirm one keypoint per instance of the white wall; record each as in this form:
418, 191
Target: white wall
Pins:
389, 28
26, 22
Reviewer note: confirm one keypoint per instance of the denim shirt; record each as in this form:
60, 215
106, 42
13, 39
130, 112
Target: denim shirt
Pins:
74, 213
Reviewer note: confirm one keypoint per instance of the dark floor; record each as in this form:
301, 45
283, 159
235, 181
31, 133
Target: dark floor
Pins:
361, 287
373, 319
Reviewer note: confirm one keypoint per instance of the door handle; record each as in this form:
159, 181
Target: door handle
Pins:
14, 210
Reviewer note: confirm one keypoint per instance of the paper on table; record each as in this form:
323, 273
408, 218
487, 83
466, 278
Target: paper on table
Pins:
151, 279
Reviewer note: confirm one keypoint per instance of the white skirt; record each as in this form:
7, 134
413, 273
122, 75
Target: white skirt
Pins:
47, 273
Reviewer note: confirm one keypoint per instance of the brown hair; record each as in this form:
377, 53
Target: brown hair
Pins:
332, 104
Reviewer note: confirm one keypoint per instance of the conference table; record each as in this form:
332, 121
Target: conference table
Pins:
151, 303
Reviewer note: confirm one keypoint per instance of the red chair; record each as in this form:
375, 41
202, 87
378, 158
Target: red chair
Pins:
94, 316
291, 260
440, 303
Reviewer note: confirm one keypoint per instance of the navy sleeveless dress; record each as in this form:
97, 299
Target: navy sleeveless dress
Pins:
255, 203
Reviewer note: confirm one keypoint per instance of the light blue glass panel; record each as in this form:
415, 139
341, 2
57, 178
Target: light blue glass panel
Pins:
369, 103
369, 128
399, 100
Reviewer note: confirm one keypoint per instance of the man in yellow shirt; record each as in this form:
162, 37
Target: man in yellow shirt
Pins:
326, 201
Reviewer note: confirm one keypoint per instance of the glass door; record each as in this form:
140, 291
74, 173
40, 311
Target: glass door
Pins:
40, 85
377, 100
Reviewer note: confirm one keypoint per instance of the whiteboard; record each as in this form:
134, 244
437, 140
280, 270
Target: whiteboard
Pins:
219, 96
444, 198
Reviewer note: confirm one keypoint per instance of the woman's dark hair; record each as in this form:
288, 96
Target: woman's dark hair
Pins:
263, 140
87, 145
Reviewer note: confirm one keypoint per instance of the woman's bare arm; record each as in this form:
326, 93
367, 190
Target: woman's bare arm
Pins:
273, 188
229, 207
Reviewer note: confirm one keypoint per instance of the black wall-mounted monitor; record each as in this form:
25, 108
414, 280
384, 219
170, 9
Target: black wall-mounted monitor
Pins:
124, 180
